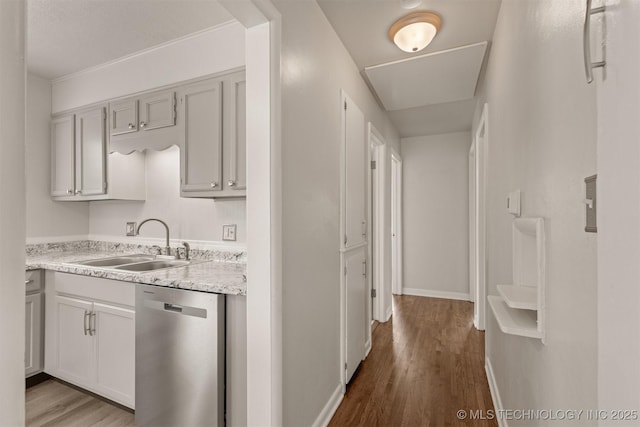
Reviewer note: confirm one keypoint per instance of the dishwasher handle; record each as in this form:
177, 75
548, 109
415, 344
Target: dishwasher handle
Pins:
172, 307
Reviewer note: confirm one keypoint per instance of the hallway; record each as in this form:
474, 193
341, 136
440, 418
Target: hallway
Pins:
426, 364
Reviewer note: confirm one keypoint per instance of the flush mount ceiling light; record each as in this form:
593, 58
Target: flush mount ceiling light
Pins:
414, 32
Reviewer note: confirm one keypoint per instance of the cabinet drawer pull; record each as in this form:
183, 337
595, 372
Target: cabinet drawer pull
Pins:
78, 191
70, 191
86, 323
92, 323
27, 282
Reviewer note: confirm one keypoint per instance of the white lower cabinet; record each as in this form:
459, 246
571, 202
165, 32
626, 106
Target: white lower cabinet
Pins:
91, 343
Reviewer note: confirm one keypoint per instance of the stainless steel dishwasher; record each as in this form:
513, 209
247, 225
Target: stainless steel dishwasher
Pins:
180, 362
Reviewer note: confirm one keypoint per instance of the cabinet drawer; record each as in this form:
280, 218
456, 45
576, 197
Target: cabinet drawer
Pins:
113, 291
33, 281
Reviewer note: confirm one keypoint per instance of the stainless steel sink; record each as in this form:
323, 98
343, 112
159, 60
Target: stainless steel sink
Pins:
118, 260
152, 265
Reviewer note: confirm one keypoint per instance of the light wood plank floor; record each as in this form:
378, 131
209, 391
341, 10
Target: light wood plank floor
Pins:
425, 365
53, 403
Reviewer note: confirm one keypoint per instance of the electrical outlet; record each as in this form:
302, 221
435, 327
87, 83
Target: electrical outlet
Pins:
229, 232
131, 229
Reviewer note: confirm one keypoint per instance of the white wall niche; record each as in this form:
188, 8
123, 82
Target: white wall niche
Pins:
520, 307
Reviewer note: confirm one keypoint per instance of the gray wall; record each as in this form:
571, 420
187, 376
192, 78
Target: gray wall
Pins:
436, 215
315, 66
542, 140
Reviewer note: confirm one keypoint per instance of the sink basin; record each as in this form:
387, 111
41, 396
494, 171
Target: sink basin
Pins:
152, 265
118, 260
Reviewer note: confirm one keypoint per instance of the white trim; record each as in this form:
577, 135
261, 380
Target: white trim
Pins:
353, 248
377, 220
367, 345
435, 294
55, 239
388, 314
324, 417
481, 138
495, 393
397, 261
143, 52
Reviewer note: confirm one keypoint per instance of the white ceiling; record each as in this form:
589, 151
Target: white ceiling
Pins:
362, 26
65, 36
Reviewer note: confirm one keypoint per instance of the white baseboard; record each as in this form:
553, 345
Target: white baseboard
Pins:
495, 393
435, 294
330, 408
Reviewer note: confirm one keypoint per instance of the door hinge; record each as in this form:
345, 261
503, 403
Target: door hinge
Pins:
345, 105
364, 268
373, 164
373, 293
345, 366
345, 240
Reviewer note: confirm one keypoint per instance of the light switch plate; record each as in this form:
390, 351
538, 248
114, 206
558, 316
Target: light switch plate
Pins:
592, 204
513, 203
131, 229
229, 232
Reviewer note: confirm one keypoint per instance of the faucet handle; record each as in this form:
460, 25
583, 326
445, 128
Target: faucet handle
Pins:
187, 250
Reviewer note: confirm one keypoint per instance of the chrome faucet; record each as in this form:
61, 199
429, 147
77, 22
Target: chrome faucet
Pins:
167, 247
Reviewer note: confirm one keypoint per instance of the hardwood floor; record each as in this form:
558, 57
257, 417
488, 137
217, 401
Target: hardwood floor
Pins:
53, 403
426, 364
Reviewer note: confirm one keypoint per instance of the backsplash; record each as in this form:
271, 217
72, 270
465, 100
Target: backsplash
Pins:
222, 255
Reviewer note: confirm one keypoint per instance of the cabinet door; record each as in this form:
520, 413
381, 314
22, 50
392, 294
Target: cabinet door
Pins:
235, 133
355, 223
201, 159
115, 352
158, 110
32, 345
356, 318
124, 117
74, 342
62, 156
91, 151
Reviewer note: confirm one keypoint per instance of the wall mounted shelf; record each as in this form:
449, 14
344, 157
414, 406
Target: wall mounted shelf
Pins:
520, 307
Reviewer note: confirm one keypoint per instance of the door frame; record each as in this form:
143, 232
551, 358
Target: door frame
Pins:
376, 220
472, 221
396, 223
480, 142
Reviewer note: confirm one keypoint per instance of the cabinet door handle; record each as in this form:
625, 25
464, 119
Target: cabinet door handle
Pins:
214, 184
142, 124
70, 191
92, 323
78, 192
131, 126
26, 282
231, 183
86, 322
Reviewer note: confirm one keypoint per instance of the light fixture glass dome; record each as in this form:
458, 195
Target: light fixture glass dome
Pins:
415, 31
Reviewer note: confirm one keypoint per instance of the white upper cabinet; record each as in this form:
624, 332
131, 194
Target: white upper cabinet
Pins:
213, 157
124, 116
91, 152
201, 157
82, 170
63, 156
157, 110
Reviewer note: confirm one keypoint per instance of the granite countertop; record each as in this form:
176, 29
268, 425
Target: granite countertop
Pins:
210, 271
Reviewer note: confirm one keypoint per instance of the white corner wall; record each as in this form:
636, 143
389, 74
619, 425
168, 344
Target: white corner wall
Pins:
12, 210
214, 50
188, 218
542, 140
436, 215
45, 218
315, 66
619, 212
